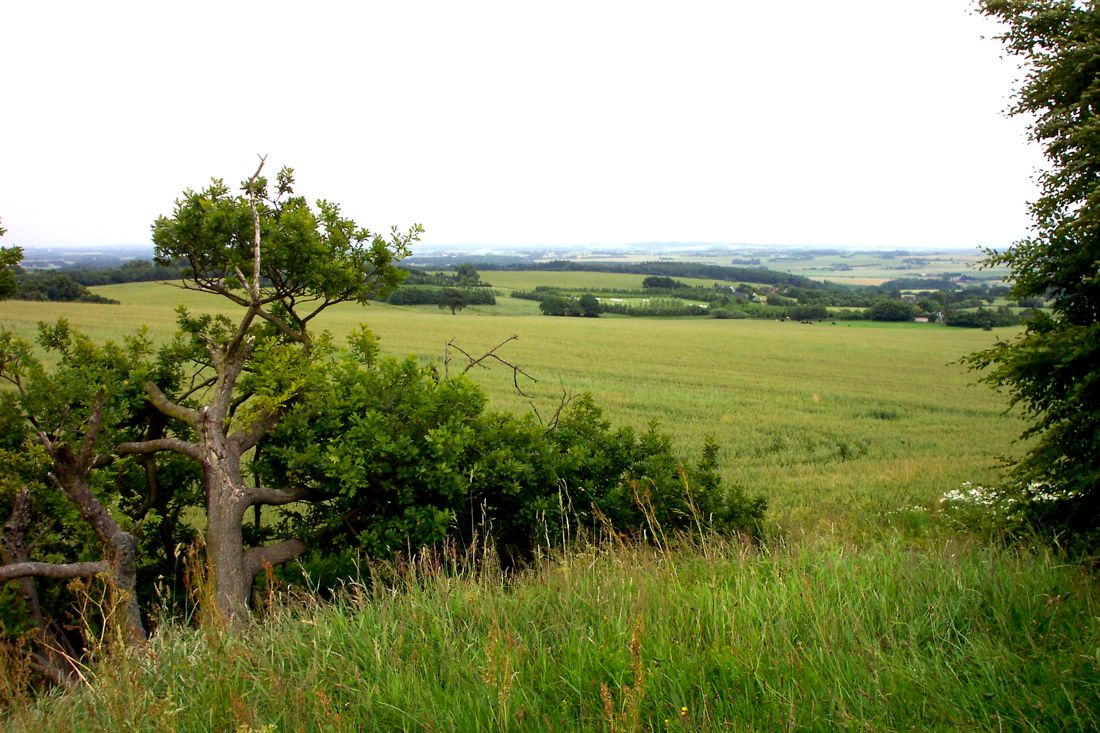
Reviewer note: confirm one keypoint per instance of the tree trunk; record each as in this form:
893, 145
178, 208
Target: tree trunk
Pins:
119, 547
227, 499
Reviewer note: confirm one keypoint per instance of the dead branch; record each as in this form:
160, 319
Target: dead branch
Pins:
490, 355
567, 398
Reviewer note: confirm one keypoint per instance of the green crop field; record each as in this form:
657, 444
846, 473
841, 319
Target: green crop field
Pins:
833, 423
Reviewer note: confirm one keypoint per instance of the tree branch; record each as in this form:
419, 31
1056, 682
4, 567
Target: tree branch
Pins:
86, 457
175, 445
261, 426
478, 362
276, 497
160, 401
255, 558
52, 570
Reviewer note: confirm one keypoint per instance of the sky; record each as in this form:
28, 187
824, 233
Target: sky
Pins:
850, 123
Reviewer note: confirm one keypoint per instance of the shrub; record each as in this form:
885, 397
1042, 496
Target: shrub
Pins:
891, 311
405, 458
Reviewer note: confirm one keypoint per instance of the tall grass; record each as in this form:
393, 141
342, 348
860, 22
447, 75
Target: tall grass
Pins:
720, 636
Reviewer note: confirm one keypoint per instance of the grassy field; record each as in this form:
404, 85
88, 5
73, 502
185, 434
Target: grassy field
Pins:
834, 423
869, 609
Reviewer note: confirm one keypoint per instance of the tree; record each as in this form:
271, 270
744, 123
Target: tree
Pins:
10, 257
283, 264
1052, 370
454, 299
559, 305
71, 417
590, 305
890, 310
466, 276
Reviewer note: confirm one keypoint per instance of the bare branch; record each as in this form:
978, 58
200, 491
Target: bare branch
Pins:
197, 387
488, 355
566, 400
52, 570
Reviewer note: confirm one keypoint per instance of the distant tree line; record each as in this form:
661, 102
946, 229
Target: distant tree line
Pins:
54, 286
463, 276
668, 269
132, 272
440, 296
984, 318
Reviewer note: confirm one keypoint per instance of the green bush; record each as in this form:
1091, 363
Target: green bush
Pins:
402, 458
891, 310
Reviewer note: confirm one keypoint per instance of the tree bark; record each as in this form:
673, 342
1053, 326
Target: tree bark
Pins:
49, 658
120, 547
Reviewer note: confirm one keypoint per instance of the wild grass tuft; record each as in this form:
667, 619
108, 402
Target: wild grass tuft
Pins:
714, 635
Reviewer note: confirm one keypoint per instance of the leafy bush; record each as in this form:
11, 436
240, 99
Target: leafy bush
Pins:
438, 296
982, 318
400, 458
56, 286
808, 313
891, 310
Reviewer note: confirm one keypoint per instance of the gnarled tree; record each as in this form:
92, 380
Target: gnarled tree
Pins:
284, 263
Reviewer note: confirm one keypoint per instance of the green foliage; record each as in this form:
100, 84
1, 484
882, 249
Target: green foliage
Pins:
982, 318
10, 257
560, 305
309, 255
808, 313
130, 272
654, 307
1052, 370
442, 297
57, 403
660, 282
590, 305
891, 310
452, 299
396, 457
56, 286
670, 269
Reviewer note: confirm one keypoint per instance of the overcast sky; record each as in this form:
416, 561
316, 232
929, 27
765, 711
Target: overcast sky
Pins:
860, 123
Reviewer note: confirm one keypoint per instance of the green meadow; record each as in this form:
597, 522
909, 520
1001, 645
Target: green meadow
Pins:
833, 423
867, 607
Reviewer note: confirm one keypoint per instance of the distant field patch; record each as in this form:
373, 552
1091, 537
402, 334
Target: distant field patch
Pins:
530, 279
